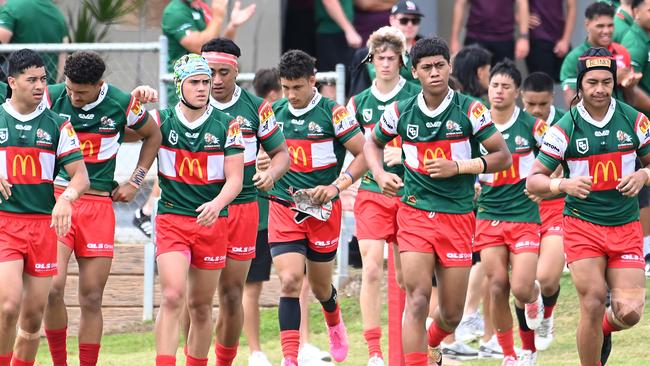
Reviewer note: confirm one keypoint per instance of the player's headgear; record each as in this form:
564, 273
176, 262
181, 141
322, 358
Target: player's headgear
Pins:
187, 66
595, 58
390, 36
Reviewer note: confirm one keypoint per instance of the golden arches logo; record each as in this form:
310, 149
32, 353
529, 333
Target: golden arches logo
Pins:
23, 165
504, 173
294, 151
604, 167
431, 154
190, 163
83, 145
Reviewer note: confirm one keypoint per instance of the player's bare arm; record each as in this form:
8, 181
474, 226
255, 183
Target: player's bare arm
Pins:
5, 35
631, 184
264, 179
194, 40
79, 183
539, 183
389, 183
145, 94
234, 172
356, 170
152, 138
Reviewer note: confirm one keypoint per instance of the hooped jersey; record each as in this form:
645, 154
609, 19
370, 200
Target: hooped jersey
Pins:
604, 150
258, 126
367, 107
452, 131
315, 136
502, 197
100, 128
33, 148
191, 158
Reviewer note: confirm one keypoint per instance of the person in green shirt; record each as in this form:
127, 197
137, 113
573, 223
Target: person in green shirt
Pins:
17, 19
622, 20
637, 42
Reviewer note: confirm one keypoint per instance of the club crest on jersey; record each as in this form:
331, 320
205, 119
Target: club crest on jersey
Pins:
582, 145
314, 129
211, 141
106, 124
624, 140
244, 123
43, 138
412, 131
173, 137
453, 129
521, 142
367, 115
4, 135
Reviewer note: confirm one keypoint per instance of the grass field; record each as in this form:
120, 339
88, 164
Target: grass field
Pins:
631, 348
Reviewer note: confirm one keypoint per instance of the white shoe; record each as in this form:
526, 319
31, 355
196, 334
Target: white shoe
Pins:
258, 358
459, 351
470, 328
490, 349
535, 310
509, 361
544, 334
527, 358
309, 352
376, 361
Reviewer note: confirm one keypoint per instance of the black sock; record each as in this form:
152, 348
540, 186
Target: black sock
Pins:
551, 300
521, 318
329, 305
289, 313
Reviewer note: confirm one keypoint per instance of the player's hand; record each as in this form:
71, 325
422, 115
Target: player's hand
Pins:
477, 190
561, 48
209, 213
323, 194
441, 168
631, 184
521, 48
125, 192
534, 21
263, 180
263, 160
392, 155
532, 197
61, 216
239, 16
579, 187
631, 79
219, 9
5, 188
145, 94
353, 38
389, 183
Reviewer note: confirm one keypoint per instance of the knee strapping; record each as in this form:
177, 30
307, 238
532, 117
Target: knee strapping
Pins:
27, 335
627, 306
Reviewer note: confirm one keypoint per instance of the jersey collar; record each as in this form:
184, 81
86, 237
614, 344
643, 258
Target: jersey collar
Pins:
102, 95
314, 101
221, 106
439, 109
23, 117
587, 117
390, 95
196, 124
511, 121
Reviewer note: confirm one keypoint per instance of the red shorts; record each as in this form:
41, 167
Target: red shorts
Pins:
376, 216
92, 233
622, 245
29, 237
204, 246
449, 236
519, 237
551, 213
321, 236
243, 220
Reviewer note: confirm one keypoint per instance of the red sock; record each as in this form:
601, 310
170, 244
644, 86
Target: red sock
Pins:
416, 359
507, 342
436, 335
608, 327
527, 339
333, 318
18, 362
373, 338
548, 311
88, 354
225, 355
191, 361
290, 343
165, 360
5, 360
56, 341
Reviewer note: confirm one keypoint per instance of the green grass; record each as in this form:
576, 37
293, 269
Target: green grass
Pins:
135, 349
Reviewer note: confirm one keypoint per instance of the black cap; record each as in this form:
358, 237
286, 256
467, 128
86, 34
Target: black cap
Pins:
595, 58
406, 7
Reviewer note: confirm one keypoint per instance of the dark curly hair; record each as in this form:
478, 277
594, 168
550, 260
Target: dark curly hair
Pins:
84, 67
430, 46
21, 60
296, 64
222, 45
508, 68
599, 9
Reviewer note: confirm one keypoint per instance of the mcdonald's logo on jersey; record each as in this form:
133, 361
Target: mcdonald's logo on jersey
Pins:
605, 175
298, 152
506, 176
190, 164
433, 154
87, 144
23, 160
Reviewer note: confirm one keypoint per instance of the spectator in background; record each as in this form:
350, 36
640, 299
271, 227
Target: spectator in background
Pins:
551, 28
637, 42
623, 20
498, 37
17, 20
298, 26
370, 15
189, 24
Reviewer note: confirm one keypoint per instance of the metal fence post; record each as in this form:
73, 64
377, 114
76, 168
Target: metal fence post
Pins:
340, 84
162, 70
149, 260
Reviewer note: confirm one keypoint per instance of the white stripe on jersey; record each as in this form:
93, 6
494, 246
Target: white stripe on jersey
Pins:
322, 154
461, 150
411, 155
167, 162
3, 164
250, 149
526, 165
68, 139
215, 167
108, 147
47, 165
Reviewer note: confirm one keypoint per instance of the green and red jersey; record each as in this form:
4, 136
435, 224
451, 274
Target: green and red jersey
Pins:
33, 148
367, 107
622, 23
100, 127
451, 131
502, 197
604, 150
258, 126
315, 136
191, 158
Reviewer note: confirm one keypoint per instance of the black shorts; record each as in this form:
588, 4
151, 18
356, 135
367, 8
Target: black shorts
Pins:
260, 269
301, 246
542, 58
332, 49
